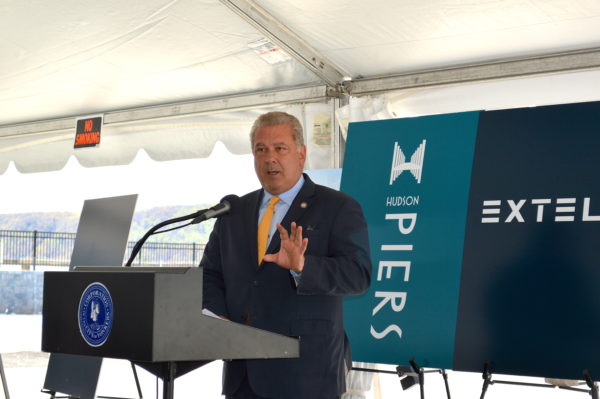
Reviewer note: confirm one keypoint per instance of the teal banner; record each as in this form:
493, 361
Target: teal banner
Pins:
412, 178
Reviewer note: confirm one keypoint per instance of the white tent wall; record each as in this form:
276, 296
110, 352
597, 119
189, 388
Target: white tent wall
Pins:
84, 57
382, 37
501, 94
76, 57
505, 94
181, 138
151, 60
189, 137
167, 139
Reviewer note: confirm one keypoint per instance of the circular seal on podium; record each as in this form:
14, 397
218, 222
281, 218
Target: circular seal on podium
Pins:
95, 314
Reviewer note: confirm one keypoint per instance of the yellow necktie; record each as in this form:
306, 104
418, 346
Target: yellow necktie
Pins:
263, 228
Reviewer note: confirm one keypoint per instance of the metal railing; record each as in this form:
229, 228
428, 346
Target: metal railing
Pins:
29, 249
166, 254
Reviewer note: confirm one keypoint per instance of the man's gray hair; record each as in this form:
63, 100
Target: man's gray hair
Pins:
278, 118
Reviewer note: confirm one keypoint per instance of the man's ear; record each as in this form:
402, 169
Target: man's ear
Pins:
302, 154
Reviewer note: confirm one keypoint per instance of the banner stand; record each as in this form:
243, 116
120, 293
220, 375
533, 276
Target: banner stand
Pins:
411, 375
593, 391
487, 381
3, 379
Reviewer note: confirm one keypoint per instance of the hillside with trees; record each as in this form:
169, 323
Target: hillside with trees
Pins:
66, 222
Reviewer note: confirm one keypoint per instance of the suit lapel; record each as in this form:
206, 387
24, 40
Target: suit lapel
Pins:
250, 221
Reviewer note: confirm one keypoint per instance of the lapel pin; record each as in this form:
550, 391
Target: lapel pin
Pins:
303, 205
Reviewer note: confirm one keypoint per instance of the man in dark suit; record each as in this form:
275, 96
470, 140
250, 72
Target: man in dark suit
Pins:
318, 252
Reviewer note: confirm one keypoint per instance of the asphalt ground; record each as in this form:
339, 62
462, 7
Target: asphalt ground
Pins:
25, 368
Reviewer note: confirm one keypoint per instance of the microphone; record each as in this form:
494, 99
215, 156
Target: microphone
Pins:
221, 208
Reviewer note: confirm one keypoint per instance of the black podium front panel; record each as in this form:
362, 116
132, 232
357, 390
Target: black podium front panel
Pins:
131, 333
154, 315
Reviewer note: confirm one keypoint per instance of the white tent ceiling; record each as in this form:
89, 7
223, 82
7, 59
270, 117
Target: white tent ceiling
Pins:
154, 59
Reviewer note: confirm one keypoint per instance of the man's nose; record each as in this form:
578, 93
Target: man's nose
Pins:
270, 157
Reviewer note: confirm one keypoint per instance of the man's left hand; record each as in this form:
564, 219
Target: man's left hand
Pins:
291, 252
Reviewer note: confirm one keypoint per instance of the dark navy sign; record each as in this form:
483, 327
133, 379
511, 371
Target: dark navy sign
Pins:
485, 240
95, 314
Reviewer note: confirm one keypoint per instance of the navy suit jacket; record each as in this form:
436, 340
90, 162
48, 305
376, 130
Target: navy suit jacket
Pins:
337, 263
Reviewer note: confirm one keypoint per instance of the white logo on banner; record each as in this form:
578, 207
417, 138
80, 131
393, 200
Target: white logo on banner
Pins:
399, 164
564, 210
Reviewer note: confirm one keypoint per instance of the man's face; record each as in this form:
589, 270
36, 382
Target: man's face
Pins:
277, 160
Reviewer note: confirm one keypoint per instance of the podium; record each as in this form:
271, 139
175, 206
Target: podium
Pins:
155, 321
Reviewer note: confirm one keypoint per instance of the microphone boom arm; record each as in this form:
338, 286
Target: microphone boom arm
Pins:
138, 245
221, 208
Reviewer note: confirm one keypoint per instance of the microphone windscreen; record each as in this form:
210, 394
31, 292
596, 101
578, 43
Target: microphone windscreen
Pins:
233, 201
